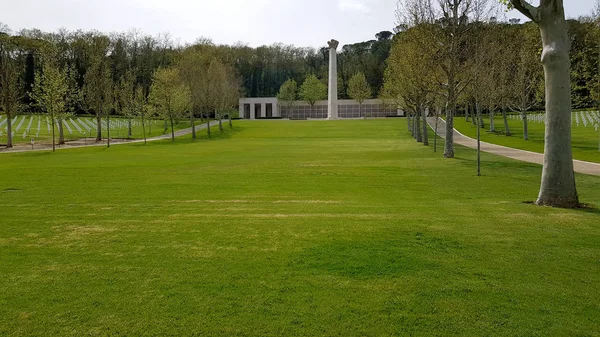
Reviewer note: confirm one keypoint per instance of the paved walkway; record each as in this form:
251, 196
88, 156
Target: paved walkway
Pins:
81, 143
522, 155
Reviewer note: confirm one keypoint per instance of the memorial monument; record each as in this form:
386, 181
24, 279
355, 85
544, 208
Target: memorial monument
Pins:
332, 104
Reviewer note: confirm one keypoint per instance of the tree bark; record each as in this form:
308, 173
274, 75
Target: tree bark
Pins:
467, 113
449, 146
525, 127
9, 137
435, 136
558, 187
53, 136
61, 133
425, 129
208, 125
478, 113
418, 126
492, 121
193, 123
107, 129
144, 129
230, 122
506, 128
99, 130
220, 122
129, 133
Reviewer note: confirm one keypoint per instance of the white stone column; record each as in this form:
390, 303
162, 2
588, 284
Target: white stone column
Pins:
241, 109
332, 104
252, 111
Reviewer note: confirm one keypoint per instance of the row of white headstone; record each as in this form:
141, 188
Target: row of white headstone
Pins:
580, 118
82, 125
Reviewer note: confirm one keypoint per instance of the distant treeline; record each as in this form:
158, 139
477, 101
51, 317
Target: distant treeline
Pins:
261, 70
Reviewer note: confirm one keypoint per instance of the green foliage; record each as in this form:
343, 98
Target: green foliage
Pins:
50, 90
288, 92
169, 94
358, 88
313, 90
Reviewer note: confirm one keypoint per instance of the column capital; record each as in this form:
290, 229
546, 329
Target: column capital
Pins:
333, 44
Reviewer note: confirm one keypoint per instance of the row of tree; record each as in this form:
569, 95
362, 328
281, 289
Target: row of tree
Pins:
129, 75
313, 90
455, 55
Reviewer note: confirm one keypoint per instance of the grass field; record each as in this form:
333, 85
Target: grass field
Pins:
279, 228
585, 140
39, 127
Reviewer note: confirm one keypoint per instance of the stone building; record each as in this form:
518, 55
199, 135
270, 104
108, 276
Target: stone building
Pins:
256, 108
332, 108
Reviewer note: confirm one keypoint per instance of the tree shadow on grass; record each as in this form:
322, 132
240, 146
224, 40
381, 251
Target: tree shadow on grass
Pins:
201, 137
377, 258
585, 208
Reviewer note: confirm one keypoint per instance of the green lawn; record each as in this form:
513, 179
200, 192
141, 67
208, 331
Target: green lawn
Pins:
291, 228
27, 126
585, 140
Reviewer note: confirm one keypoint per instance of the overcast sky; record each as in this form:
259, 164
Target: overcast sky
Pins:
255, 22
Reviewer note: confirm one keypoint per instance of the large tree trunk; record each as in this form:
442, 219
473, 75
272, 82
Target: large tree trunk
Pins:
525, 127
492, 117
506, 128
208, 125
107, 129
230, 122
435, 134
467, 113
558, 178
220, 122
53, 136
450, 109
129, 133
193, 123
9, 137
419, 136
144, 129
172, 127
99, 129
425, 129
449, 146
478, 113
61, 133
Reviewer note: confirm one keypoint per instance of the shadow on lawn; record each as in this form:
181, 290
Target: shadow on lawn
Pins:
201, 137
377, 258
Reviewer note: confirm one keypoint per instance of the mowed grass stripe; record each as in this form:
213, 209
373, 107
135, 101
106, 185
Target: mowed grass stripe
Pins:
291, 228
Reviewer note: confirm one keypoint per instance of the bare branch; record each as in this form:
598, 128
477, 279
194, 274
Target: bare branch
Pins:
527, 9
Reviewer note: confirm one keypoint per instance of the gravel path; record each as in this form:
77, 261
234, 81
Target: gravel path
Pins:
92, 142
522, 155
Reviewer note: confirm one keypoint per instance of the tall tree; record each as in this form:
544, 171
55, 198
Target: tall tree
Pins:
142, 109
98, 85
525, 71
50, 93
558, 177
359, 90
10, 82
288, 93
125, 98
170, 95
313, 90
217, 76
